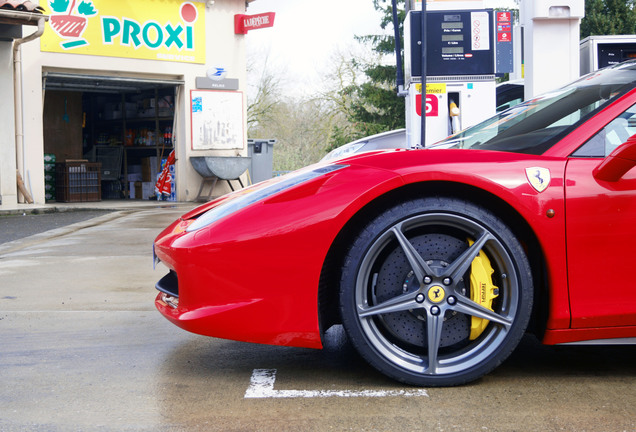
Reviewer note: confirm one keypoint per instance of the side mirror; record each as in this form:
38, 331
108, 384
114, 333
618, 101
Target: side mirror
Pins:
618, 162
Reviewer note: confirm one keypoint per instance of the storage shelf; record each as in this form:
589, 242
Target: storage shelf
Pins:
136, 120
152, 147
144, 128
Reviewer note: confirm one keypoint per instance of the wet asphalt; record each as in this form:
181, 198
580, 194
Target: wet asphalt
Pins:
84, 349
14, 227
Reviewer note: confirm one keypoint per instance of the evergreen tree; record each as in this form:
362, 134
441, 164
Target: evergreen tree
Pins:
375, 106
609, 17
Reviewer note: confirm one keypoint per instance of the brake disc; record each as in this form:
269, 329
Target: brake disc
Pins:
390, 281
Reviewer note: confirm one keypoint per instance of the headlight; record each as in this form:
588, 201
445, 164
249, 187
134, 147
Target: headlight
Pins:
258, 194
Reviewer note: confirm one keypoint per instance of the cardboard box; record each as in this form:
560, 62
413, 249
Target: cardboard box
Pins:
142, 190
149, 169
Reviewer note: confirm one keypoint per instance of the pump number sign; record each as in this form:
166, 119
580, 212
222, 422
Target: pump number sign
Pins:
432, 98
432, 105
173, 31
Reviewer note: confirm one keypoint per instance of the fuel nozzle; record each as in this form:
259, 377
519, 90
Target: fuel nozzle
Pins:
454, 113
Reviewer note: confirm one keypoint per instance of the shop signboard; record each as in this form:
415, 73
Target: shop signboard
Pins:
244, 23
170, 30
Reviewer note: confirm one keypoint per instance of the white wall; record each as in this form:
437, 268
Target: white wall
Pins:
7, 127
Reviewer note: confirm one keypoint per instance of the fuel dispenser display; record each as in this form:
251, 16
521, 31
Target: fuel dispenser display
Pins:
465, 51
458, 43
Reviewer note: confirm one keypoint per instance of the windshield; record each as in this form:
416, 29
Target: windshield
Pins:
535, 125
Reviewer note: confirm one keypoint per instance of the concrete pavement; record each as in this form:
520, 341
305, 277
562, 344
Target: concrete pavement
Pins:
83, 349
95, 205
23, 220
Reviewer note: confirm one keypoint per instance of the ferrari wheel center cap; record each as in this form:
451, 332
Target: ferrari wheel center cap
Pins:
436, 294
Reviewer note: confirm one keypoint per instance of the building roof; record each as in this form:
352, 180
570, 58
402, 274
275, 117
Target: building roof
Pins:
21, 12
21, 6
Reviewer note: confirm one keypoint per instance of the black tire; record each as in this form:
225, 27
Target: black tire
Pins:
405, 282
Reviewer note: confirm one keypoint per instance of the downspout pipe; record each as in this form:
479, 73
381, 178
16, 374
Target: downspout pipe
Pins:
17, 89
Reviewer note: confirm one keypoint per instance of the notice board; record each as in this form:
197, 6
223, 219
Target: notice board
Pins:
217, 120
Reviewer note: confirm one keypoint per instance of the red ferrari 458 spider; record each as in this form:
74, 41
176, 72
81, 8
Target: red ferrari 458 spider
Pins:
436, 261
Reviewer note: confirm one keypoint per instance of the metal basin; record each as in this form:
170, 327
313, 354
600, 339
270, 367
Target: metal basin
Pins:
222, 167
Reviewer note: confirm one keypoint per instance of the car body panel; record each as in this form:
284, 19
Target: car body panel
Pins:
268, 267
255, 274
503, 175
601, 235
237, 253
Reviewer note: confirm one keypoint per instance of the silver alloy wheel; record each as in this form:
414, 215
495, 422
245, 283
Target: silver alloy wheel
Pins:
437, 294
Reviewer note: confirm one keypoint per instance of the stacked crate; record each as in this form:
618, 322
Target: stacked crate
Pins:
78, 181
49, 177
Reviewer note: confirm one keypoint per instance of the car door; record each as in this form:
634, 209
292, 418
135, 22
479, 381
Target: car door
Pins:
601, 226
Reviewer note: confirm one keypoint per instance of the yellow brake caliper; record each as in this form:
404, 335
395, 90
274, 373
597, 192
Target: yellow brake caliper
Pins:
482, 290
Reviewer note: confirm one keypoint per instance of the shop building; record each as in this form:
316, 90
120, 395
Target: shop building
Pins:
124, 83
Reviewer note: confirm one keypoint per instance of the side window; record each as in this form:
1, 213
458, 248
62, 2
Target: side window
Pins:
611, 136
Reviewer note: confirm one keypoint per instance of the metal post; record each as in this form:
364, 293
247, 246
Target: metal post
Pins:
398, 52
423, 47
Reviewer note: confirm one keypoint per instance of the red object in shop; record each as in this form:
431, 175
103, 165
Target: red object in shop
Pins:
164, 183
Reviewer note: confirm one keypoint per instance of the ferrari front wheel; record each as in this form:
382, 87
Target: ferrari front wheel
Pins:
436, 292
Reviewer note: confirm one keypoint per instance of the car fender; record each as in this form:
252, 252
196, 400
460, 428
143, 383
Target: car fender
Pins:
544, 211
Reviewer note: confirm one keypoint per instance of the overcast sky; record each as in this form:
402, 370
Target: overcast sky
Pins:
306, 33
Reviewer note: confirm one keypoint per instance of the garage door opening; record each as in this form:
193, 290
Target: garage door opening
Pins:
109, 135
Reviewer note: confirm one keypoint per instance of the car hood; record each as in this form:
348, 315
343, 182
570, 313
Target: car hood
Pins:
414, 165
428, 158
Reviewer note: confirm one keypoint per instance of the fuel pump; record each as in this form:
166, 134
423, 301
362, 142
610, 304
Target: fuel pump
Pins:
600, 51
465, 50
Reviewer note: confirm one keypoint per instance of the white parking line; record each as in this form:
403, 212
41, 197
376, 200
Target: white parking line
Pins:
262, 387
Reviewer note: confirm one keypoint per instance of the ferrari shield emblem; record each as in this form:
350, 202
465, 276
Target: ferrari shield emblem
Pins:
539, 178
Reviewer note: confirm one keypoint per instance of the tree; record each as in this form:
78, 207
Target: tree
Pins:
261, 107
608, 17
360, 100
346, 75
301, 126
373, 105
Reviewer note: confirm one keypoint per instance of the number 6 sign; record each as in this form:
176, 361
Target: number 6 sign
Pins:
432, 107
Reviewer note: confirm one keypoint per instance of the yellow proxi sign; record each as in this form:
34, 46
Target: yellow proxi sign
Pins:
170, 30
433, 88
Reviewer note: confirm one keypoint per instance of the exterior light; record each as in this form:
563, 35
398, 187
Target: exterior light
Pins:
559, 12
